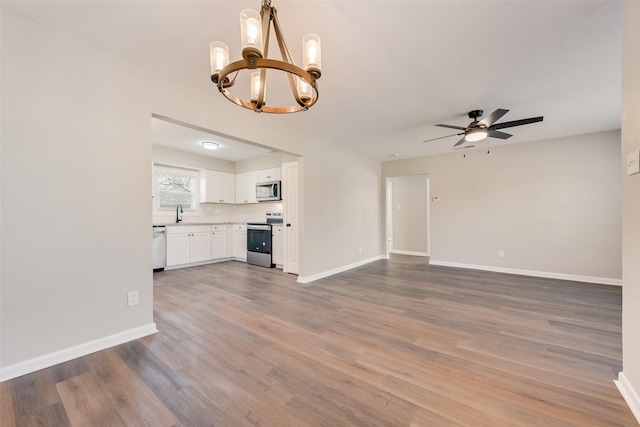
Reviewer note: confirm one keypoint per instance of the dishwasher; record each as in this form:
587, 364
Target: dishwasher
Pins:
159, 248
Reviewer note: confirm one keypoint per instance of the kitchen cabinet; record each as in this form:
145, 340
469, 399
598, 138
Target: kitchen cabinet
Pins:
217, 187
277, 245
219, 242
178, 249
188, 244
266, 175
246, 187
239, 241
246, 183
200, 246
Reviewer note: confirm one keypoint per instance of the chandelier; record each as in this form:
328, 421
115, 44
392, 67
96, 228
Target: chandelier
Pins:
255, 27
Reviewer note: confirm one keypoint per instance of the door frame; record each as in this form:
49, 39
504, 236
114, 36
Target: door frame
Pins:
389, 213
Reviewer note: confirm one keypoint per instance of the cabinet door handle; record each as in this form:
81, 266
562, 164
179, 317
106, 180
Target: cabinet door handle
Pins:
288, 225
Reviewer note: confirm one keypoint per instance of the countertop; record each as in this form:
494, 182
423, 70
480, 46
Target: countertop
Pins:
168, 224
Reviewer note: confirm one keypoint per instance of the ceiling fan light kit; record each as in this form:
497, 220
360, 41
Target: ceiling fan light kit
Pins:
480, 129
476, 135
255, 31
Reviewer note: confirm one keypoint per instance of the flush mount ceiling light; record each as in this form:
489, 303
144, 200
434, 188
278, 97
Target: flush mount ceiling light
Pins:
210, 145
256, 27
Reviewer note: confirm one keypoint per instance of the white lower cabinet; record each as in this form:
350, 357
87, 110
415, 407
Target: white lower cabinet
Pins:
178, 249
200, 246
196, 244
239, 241
188, 244
277, 245
219, 242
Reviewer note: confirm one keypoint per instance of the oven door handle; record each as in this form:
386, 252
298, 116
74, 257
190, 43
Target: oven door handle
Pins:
259, 227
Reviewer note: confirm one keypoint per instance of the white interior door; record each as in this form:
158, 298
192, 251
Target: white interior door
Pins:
291, 217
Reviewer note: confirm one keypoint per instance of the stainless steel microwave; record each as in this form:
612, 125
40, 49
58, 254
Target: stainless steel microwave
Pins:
268, 191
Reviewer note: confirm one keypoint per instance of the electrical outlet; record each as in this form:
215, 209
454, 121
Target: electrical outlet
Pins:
501, 253
132, 298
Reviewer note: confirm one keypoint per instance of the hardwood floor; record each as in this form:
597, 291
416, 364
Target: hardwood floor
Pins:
394, 343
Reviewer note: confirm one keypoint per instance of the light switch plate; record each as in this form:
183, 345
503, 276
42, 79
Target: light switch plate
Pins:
633, 162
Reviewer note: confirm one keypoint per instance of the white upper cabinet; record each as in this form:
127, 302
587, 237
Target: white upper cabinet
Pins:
267, 175
217, 187
223, 187
246, 187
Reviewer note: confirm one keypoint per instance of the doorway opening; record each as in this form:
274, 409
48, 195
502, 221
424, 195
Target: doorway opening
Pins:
408, 218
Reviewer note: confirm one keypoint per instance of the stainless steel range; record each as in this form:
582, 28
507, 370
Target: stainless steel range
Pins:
259, 235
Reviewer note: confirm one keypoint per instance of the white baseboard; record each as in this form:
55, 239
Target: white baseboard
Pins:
629, 393
196, 264
533, 273
308, 279
395, 251
41, 362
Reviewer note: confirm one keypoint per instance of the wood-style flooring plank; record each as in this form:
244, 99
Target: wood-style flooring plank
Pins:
132, 397
86, 404
7, 416
50, 416
396, 342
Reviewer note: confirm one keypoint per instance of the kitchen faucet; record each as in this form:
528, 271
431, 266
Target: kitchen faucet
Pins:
178, 213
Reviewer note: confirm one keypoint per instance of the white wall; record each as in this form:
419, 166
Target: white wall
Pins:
340, 189
76, 174
409, 214
76, 169
551, 206
631, 206
272, 160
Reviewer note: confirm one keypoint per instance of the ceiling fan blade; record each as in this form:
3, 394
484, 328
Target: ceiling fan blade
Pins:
462, 141
493, 117
452, 127
441, 137
499, 135
516, 123
465, 147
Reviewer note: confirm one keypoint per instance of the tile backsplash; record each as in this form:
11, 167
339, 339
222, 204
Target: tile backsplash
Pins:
210, 212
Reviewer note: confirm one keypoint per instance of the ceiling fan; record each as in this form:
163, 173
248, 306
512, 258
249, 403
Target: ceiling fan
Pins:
480, 129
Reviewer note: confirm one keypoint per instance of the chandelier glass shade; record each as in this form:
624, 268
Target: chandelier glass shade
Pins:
255, 29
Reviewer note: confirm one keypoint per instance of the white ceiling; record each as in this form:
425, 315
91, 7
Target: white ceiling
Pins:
391, 70
184, 137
